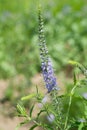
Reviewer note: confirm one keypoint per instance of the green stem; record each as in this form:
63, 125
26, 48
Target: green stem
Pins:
57, 107
70, 101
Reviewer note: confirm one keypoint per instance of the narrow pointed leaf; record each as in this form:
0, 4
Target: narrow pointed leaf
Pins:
28, 97
75, 80
34, 126
31, 110
21, 124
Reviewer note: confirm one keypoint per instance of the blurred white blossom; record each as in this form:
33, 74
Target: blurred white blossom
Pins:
85, 95
50, 118
44, 100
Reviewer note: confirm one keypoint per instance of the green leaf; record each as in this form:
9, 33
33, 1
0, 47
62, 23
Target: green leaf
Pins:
75, 80
80, 66
73, 62
41, 111
21, 110
31, 110
81, 126
37, 89
28, 97
34, 126
21, 124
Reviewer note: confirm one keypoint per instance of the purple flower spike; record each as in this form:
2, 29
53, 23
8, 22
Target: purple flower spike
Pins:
46, 65
48, 75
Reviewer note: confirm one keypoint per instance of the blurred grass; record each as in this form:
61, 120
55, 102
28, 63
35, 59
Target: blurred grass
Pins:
66, 34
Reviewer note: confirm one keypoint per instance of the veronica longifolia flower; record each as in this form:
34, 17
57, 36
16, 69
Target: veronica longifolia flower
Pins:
46, 65
48, 75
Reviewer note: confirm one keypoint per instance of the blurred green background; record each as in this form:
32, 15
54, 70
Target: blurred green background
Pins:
66, 35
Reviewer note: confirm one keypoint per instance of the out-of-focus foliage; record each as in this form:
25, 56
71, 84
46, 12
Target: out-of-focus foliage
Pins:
66, 34
18, 53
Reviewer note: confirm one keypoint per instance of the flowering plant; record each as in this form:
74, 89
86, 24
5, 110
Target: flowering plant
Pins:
59, 111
